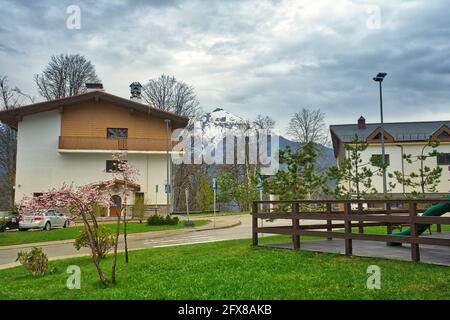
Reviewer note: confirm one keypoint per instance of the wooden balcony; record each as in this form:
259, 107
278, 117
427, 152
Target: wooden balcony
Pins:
128, 144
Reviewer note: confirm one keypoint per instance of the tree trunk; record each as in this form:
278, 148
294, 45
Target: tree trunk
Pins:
94, 249
125, 231
113, 268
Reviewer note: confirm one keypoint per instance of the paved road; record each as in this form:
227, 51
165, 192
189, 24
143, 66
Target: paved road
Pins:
147, 240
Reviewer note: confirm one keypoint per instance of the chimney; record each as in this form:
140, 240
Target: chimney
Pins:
93, 86
361, 123
135, 90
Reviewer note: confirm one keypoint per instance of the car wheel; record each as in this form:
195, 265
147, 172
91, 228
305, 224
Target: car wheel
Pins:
23, 229
47, 226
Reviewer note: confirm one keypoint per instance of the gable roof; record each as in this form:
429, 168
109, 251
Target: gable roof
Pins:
12, 116
399, 131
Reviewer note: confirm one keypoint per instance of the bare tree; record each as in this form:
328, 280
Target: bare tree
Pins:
65, 75
264, 122
308, 125
169, 94
10, 98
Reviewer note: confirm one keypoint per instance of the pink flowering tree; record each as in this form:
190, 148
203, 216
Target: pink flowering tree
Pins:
125, 174
80, 201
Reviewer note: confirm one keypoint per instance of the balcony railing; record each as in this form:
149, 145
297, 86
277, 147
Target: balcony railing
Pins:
94, 143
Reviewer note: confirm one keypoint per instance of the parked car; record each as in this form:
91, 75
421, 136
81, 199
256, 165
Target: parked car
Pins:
43, 219
9, 220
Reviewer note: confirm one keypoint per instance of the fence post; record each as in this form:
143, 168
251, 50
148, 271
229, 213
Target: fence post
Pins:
348, 229
360, 223
388, 213
415, 252
295, 225
254, 224
438, 228
329, 221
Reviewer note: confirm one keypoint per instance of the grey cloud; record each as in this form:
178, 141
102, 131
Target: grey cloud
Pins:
249, 56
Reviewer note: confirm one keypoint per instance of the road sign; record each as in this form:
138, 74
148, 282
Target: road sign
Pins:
214, 182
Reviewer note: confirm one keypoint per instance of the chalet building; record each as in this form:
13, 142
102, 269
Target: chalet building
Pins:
400, 138
71, 140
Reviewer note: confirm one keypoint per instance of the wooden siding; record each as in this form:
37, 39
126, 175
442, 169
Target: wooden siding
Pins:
91, 119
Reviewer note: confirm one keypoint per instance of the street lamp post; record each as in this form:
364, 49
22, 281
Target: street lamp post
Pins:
168, 186
379, 78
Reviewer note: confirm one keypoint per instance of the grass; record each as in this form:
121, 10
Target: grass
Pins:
233, 270
16, 237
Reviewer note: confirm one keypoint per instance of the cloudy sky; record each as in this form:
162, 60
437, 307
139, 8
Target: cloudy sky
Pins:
250, 57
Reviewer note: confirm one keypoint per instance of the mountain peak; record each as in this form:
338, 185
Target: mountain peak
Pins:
217, 110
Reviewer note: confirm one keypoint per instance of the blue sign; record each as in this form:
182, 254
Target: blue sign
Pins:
259, 186
167, 188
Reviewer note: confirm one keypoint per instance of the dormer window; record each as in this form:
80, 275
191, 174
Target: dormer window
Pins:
116, 133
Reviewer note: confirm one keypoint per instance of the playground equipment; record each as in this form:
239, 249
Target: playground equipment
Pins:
434, 211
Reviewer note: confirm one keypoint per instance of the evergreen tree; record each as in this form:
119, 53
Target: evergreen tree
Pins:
205, 196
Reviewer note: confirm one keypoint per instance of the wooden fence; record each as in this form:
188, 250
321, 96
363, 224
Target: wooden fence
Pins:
346, 214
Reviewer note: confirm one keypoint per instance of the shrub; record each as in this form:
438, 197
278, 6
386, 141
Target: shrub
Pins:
35, 261
157, 220
171, 220
104, 238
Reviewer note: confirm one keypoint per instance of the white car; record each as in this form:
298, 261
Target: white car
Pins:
43, 219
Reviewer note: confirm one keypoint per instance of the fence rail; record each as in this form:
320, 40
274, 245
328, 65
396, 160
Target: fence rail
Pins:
350, 214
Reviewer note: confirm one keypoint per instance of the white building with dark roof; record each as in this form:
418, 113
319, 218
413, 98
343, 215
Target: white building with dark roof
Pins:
401, 138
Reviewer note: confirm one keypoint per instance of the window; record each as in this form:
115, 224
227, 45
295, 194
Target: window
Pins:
116, 133
443, 159
111, 165
377, 157
37, 194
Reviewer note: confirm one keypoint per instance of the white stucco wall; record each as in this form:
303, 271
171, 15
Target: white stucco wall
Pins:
40, 166
396, 164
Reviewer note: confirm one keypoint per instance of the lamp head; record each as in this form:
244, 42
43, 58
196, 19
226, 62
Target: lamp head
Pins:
380, 77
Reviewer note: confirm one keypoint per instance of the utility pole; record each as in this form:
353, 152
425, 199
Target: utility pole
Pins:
168, 186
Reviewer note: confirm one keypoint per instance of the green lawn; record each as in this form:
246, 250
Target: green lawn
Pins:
16, 237
233, 270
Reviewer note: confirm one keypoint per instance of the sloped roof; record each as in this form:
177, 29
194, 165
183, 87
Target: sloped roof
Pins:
401, 131
12, 116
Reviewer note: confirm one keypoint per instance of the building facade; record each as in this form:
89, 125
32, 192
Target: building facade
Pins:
71, 140
402, 138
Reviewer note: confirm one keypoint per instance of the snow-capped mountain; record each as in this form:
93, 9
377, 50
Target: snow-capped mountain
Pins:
215, 125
